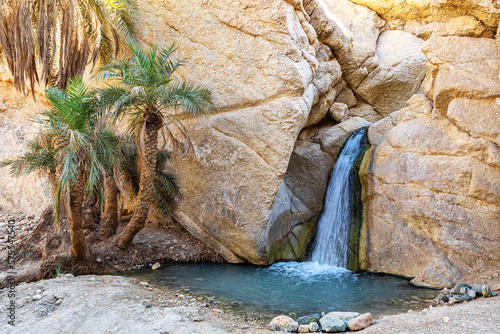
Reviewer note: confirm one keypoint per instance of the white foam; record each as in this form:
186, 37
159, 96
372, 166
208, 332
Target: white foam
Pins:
310, 271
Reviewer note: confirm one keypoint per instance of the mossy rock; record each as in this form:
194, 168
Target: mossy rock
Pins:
293, 247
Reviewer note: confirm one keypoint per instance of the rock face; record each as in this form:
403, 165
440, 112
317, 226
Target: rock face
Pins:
433, 187
27, 194
484, 10
383, 68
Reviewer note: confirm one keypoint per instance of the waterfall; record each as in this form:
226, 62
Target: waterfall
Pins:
331, 245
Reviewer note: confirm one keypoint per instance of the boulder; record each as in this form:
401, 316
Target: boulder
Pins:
344, 315
283, 323
266, 70
304, 329
331, 324
307, 319
398, 75
360, 322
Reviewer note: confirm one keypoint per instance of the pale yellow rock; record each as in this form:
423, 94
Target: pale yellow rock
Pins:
347, 96
484, 10
366, 111
26, 194
432, 185
377, 133
399, 74
460, 67
339, 111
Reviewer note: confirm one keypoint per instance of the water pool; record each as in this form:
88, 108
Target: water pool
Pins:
284, 288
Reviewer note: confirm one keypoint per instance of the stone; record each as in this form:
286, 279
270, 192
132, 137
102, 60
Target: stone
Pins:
331, 324
485, 11
377, 133
460, 288
347, 97
365, 111
400, 71
344, 315
314, 327
37, 297
486, 291
307, 319
155, 266
283, 323
471, 293
434, 182
98, 260
304, 329
338, 111
446, 319
360, 322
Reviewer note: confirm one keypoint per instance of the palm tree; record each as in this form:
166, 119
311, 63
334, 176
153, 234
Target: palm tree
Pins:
143, 88
165, 186
61, 37
85, 150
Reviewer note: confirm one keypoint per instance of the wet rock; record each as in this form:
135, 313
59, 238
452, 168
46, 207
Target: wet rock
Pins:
486, 291
360, 322
283, 323
332, 324
307, 319
478, 289
471, 293
459, 288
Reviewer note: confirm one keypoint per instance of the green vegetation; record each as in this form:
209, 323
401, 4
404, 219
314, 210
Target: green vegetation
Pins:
53, 40
82, 156
143, 89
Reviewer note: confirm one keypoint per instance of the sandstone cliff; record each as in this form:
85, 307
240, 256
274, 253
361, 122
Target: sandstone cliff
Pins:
292, 79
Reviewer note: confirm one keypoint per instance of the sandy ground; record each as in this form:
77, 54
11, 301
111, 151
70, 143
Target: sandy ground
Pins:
115, 304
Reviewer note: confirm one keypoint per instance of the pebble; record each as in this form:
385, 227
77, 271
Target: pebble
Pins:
37, 297
98, 260
446, 319
198, 319
155, 266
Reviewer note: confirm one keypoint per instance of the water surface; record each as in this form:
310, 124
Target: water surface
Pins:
301, 288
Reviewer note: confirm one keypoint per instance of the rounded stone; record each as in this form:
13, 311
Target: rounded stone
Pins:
283, 323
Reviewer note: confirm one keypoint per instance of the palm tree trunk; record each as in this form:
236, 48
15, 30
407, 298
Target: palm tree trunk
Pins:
53, 183
109, 218
146, 185
77, 235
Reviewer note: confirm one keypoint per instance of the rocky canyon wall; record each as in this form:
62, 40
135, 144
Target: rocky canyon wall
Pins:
291, 80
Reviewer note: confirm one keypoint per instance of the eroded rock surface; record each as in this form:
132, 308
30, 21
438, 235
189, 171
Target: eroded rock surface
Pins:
434, 184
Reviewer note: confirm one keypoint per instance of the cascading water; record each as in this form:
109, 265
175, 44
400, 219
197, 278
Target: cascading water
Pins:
331, 246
